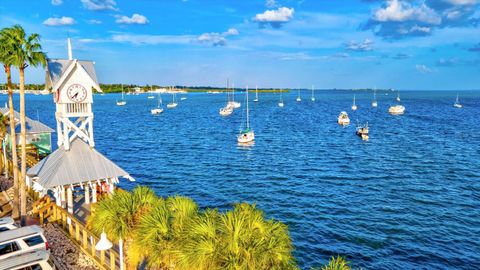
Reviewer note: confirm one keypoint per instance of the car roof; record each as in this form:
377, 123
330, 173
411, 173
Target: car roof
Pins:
6, 221
24, 259
22, 232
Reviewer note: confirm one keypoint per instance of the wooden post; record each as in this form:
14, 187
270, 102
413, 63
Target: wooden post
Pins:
62, 196
112, 260
102, 257
87, 194
77, 231
93, 246
70, 200
94, 193
85, 239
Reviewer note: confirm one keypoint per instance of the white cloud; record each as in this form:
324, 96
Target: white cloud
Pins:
99, 4
59, 21
423, 69
93, 21
359, 46
217, 39
57, 2
271, 3
400, 11
462, 2
135, 19
152, 39
275, 17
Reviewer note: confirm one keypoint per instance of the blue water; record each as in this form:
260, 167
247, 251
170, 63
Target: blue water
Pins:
407, 199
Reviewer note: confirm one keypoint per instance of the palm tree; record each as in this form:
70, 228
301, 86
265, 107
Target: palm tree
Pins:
159, 232
338, 263
7, 44
27, 52
119, 215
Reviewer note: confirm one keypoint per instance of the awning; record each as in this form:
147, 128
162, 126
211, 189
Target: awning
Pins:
80, 164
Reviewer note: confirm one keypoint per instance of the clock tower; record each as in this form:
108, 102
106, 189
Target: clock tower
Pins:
72, 82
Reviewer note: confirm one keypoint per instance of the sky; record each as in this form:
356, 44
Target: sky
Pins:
401, 44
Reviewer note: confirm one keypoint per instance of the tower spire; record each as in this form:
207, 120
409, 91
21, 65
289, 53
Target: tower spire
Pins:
70, 56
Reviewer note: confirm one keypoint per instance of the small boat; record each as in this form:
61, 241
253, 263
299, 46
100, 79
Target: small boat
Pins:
298, 97
183, 98
343, 119
226, 111
362, 132
280, 103
122, 102
374, 101
247, 135
172, 104
396, 110
150, 97
398, 96
233, 103
354, 106
159, 108
457, 103
313, 94
256, 94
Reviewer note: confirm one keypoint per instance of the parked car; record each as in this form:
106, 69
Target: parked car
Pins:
6, 224
21, 240
34, 260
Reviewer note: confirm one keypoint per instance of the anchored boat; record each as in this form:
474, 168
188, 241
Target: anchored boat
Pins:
247, 135
362, 132
343, 119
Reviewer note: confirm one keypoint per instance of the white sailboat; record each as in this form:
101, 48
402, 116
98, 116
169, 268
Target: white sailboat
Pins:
374, 101
172, 104
299, 98
228, 109
398, 96
151, 96
247, 135
354, 106
159, 108
280, 103
457, 103
122, 102
233, 103
256, 94
313, 95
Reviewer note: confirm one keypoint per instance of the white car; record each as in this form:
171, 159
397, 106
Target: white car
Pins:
6, 224
34, 260
25, 239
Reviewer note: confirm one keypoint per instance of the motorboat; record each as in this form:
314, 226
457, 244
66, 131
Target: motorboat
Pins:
343, 119
396, 110
362, 132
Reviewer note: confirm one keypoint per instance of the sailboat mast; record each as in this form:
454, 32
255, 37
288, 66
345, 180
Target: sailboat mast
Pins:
312, 90
256, 92
122, 91
248, 120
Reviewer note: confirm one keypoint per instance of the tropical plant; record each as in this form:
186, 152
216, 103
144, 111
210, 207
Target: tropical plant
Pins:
118, 216
7, 46
27, 51
336, 263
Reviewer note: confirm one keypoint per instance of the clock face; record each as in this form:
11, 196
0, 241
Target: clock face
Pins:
77, 93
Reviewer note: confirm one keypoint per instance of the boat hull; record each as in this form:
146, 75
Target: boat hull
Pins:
246, 137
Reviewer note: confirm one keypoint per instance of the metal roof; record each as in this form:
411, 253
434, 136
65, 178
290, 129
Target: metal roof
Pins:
57, 67
24, 259
10, 235
78, 165
32, 126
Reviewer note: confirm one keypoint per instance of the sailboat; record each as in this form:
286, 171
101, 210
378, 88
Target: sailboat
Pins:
247, 135
233, 103
159, 108
398, 96
256, 94
121, 102
172, 104
354, 106
151, 96
280, 103
228, 109
313, 96
299, 98
457, 103
374, 101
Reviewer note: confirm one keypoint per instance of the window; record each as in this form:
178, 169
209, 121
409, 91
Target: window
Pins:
33, 241
32, 267
3, 229
8, 248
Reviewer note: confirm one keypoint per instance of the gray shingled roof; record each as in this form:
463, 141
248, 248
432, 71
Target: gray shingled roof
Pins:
32, 126
78, 165
57, 67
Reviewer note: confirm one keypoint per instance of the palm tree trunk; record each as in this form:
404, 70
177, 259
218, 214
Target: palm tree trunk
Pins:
23, 138
13, 145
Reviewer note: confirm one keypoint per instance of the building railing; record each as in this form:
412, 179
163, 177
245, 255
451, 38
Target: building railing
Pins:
79, 234
74, 108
